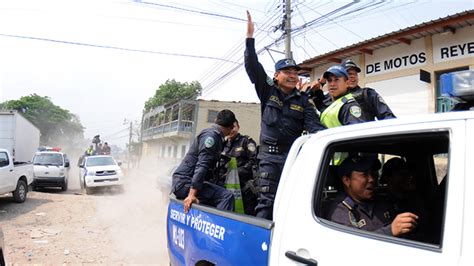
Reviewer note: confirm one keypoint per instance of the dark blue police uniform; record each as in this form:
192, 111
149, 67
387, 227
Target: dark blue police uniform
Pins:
374, 216
244, 149
197, 169
284, 117
372, 104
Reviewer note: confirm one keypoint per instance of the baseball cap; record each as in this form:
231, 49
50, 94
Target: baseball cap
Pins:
360, 164
348, 63
337, 71
286, 63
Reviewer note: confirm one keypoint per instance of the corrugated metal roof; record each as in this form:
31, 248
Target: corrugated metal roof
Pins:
449, 23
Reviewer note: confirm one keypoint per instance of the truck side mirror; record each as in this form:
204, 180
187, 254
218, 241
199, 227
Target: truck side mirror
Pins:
119, 163
66, 164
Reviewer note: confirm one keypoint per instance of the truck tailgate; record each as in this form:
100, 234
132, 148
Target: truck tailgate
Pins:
219, 237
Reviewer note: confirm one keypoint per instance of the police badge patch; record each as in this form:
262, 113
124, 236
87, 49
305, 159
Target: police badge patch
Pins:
355, 111
381, 99
209, 142
251, 147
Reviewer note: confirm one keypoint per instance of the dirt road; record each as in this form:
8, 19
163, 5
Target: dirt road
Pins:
109, 227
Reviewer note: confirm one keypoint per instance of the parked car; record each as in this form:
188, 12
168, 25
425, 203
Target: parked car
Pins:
15, 177
99, 171
51, 169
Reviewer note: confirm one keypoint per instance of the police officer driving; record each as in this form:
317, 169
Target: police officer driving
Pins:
286, 113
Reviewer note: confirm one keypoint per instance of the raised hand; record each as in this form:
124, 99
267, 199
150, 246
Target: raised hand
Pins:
250, 26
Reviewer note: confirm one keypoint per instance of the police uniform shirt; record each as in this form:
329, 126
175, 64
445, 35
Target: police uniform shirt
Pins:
201, 159
373, 216
350, 113
284, 117
376, 104
244, 149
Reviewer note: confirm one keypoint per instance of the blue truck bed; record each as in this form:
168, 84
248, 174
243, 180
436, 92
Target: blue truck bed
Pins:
206, 234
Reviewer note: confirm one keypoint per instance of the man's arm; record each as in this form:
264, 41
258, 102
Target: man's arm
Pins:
351, 113
378, 105
251, 149
312, 122
254, 69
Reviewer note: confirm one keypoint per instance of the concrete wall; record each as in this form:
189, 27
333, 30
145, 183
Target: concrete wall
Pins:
248, 115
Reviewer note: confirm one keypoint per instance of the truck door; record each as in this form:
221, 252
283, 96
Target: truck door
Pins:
4, 171
434, 152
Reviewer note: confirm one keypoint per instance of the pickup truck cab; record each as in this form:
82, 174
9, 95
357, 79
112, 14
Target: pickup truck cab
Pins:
14, 176
439, 150
100, 171
51, 169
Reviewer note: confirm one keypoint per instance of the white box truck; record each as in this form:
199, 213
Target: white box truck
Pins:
18, 135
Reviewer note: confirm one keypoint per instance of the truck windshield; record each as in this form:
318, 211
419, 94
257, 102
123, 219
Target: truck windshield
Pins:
97, 161
48, 159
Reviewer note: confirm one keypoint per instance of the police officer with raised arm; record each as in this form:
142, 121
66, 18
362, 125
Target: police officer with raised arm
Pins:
191, 178
286, 113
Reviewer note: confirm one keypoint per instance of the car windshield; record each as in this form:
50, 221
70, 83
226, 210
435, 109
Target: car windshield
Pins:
48, 159
96, 161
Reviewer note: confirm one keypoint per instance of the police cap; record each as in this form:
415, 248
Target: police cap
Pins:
348, 64
337, 71
286, 63
360, 164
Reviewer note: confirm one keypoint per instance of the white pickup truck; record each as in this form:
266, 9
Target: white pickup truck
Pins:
439, 150
14, 176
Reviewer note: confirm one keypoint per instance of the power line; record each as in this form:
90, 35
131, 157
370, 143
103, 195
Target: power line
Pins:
191, 11
115, 47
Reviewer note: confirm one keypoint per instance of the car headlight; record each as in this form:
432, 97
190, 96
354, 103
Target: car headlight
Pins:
90, 173
119, 172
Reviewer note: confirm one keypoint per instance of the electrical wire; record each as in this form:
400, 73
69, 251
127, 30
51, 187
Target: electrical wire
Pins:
115, 47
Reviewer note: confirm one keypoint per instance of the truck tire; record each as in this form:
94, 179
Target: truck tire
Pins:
88, 190
19, 195
64, 185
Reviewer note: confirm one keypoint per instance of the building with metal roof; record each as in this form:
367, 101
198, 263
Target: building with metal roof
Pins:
404, 66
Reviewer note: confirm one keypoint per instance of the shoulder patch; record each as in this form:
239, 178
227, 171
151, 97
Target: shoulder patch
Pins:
251, 147
381, 99
209, 142
355, 111
270, 81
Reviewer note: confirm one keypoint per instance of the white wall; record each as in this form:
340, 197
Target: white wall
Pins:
404, 95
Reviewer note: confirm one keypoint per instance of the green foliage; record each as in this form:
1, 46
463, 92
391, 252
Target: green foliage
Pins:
56, 125
172, 91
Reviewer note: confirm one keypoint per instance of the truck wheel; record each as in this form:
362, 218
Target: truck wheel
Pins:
64, 185
19, 195
88, 190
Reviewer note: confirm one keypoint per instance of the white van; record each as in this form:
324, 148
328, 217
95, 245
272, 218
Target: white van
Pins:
51, 169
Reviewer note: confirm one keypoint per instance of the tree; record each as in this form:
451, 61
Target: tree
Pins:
172, 91
57, 125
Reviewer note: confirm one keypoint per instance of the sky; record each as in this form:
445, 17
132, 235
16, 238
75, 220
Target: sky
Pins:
102, 59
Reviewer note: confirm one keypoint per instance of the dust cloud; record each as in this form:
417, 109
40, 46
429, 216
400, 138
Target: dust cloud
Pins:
136, 218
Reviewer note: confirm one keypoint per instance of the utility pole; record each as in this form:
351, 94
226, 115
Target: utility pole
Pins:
287, 17
129, 146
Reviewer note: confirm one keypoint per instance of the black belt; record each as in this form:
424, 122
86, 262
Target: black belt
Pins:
274, 149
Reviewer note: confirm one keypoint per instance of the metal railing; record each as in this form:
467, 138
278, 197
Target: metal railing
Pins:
173, 126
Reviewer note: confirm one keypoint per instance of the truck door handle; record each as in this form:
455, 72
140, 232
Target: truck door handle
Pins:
11, 170
292, 256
